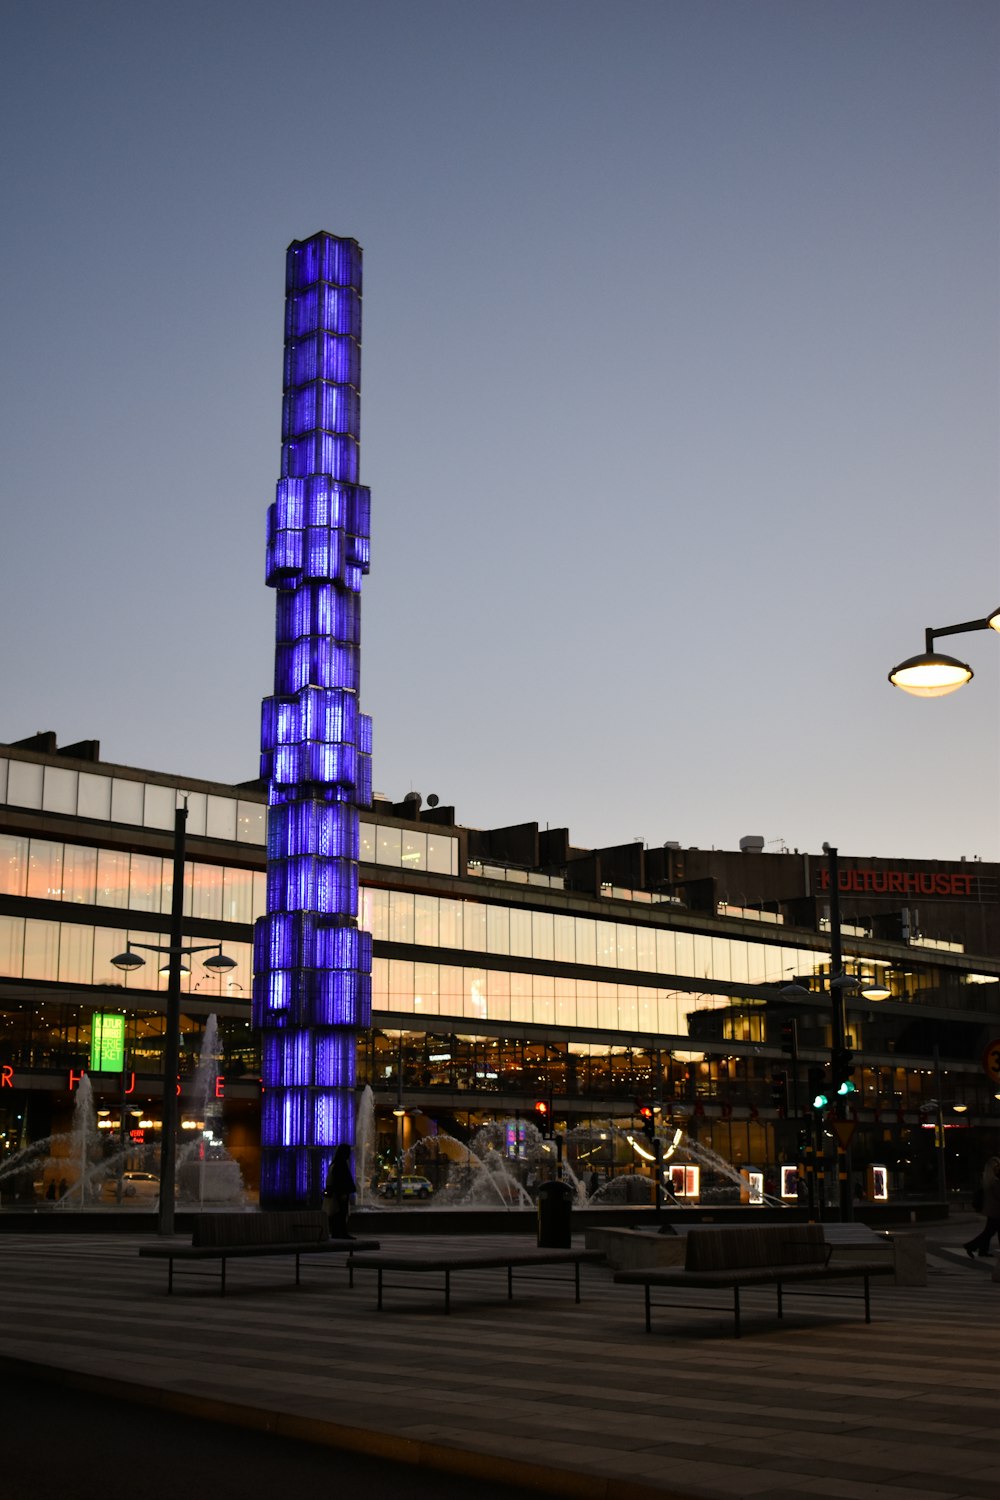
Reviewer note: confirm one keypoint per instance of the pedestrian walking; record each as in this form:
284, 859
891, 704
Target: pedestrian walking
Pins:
337, 1193
991, 1208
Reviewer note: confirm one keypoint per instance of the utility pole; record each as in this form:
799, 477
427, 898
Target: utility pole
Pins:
942, 1169
172, 1039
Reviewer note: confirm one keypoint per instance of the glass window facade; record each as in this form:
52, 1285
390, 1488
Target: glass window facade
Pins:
415, 988
137, 803
159, 806
94, 797
50, 871
476, 926
59, 790
126, 801
24, 784
78, 954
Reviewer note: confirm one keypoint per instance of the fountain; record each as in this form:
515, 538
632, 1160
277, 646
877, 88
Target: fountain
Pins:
82, 1143
206, 1173
480, 1173
499, 1167
477, 1173
16, 1163
69, 1161
364, 1147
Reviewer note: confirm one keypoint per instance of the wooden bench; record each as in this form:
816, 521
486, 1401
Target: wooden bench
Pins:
766, 1254
445, 1262
225, 1237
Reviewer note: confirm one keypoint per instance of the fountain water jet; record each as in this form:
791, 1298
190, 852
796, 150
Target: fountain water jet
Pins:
83, 1138
205, 1170
364, 1146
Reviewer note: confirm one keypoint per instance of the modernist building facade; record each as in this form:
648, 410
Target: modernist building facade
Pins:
509, 969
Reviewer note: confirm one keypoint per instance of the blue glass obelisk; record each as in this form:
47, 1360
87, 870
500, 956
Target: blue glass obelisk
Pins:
312, 966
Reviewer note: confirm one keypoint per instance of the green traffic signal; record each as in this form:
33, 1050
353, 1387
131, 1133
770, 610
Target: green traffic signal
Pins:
847, 1087
818, 1087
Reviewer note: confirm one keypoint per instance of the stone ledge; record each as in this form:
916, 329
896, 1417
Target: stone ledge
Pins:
638, 1249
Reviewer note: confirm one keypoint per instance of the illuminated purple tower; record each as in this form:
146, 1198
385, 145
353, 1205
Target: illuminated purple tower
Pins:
312, 966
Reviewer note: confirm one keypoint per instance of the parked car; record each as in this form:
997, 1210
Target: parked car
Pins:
144, 1185
413, 1187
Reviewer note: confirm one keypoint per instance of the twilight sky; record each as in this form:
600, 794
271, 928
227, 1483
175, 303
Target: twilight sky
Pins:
680, 396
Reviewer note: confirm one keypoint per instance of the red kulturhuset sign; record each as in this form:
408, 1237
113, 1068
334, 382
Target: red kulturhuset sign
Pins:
220, 1083
857, 882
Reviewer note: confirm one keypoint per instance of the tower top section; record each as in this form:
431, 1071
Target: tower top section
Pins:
323, 257
321, 416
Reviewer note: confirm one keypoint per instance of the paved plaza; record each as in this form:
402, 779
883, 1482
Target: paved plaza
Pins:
539, 1392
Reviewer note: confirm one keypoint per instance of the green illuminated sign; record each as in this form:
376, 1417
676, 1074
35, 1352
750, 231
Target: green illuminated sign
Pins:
107, 1042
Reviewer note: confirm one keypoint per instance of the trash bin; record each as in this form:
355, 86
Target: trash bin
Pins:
555, 1208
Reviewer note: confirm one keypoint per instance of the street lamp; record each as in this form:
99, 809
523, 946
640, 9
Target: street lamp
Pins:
399, 1113
175, 951
932, 675
854, 984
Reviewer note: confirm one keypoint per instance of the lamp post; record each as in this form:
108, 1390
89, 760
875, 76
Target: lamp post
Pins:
942, 1165
933, 675
658, 1169
175, 951
840, 1056
122, 1129
400, 1114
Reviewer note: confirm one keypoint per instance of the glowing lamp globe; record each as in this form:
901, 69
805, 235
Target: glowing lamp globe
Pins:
931, 675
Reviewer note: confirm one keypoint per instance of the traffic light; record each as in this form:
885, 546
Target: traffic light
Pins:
648, 1121
819, 1095
779, 1092
790, 1037
842, 1068
542, 1119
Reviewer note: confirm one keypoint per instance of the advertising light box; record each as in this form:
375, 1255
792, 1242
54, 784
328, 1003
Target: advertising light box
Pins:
789, 1182
685, 1181
751, 1186
878, 1184
107, 1042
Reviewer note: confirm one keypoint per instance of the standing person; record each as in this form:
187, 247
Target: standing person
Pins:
991, 1208
337, 1193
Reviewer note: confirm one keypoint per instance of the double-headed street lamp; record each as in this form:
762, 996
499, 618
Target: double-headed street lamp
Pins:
932, 675
175, 951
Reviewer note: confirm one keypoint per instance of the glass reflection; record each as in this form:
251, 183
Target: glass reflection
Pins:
80, 875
